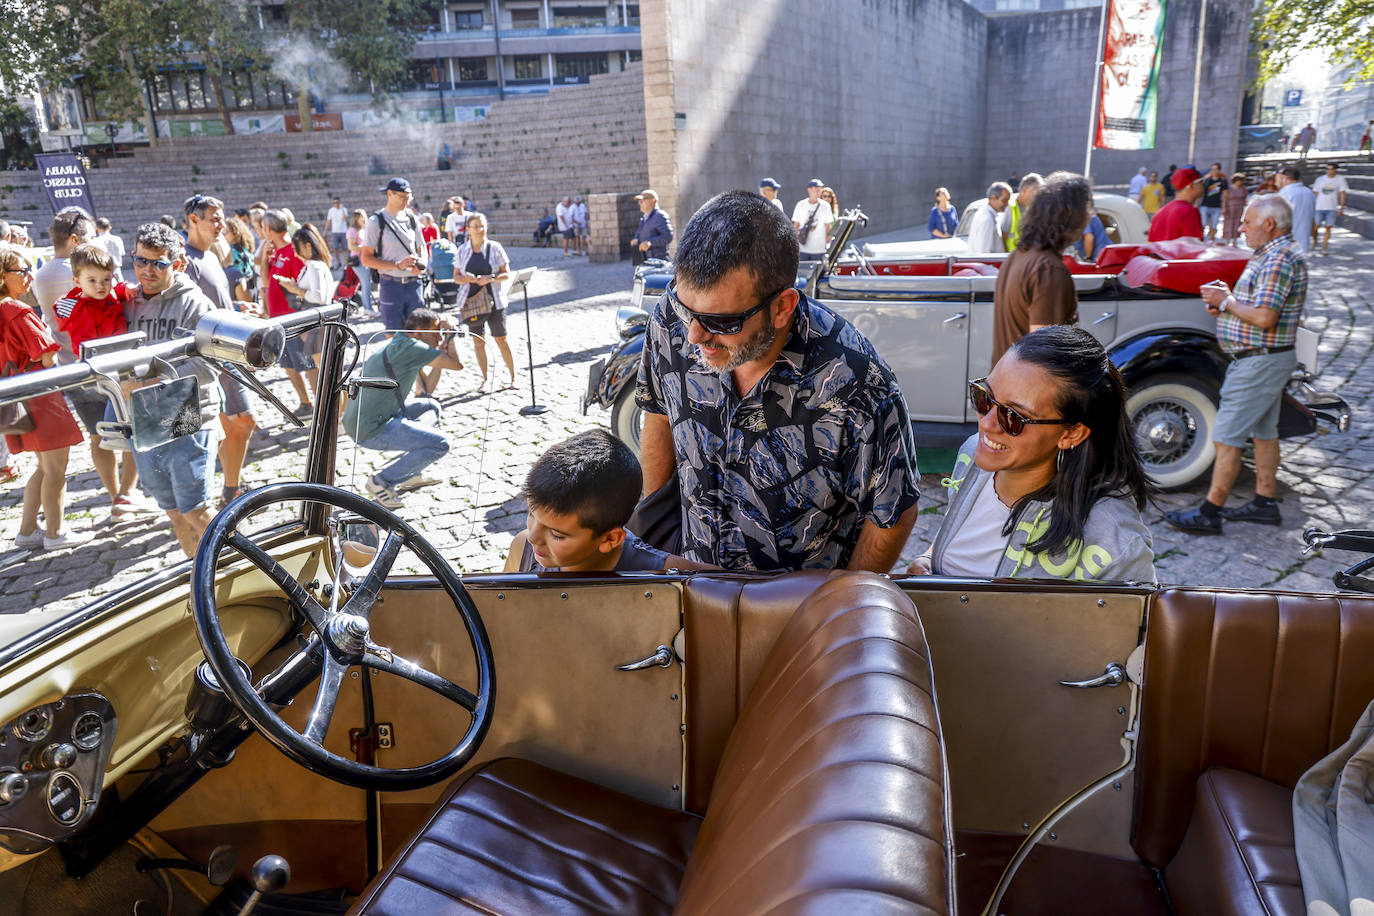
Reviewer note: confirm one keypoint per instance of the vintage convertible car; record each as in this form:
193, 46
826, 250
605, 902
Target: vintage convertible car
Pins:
287, 716
931, 319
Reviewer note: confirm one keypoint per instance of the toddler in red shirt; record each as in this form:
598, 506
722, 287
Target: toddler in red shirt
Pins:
95, 307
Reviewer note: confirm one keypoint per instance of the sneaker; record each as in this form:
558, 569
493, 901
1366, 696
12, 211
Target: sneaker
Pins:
31, 541
1264, 515
226, 498
8, 472
66, 539
415, 483
383, 494
304, 411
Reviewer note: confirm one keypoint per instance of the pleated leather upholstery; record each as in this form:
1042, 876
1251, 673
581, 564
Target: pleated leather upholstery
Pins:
1237, 857
516, 838
1266, 683
832, 794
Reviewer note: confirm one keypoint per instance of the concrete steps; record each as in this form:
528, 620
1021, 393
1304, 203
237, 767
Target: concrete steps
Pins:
527, 154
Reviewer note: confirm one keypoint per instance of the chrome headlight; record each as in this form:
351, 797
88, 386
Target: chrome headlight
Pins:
630, 320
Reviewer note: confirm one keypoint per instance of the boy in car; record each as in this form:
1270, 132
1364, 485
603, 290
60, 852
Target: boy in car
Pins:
95, 307
578, 497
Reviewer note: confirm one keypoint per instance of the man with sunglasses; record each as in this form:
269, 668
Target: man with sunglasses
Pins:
788, 432
178, 474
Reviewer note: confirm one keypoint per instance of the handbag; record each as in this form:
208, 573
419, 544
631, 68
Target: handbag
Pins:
15, 419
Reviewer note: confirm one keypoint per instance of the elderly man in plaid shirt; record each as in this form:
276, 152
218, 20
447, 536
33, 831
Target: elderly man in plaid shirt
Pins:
1257, 325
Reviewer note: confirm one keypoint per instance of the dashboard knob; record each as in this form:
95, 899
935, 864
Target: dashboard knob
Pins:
57, 756
12, 787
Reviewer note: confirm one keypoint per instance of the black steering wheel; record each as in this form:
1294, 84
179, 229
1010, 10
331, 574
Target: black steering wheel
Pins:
333, 640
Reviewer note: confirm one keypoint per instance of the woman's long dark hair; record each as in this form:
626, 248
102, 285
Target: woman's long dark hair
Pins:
1106, 464
309, 237
1058, 214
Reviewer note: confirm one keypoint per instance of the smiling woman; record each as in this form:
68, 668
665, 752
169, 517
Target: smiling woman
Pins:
1051, 486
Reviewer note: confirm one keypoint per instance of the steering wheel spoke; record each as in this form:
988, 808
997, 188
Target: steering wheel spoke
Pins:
333, 639
365, 594
326, 698
384, 659
295, 592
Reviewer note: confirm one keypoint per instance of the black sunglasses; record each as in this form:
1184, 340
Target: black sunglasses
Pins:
1008, 418
159, 263
718, 324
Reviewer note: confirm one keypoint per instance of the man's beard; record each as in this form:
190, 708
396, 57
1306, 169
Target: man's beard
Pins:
753, 348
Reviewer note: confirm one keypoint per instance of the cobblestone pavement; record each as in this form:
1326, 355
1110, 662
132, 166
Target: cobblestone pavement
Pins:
473, 513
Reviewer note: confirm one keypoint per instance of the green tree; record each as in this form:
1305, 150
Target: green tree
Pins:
18, 134
222, 37
1344, 29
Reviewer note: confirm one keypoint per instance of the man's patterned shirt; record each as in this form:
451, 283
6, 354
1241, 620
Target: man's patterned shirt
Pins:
784, 476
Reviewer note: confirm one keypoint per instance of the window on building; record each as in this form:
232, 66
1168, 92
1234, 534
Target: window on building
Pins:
632, 14
472, 69
272, 14
199, 94
529, 67
580, 64
467, 19
573, 17
162, 92
524, 18
635, 56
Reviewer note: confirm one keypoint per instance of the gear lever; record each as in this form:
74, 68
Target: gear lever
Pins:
269, 875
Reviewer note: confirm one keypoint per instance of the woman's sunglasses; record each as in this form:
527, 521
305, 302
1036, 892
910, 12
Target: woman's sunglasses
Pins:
27, 271
718, 324
1008, 418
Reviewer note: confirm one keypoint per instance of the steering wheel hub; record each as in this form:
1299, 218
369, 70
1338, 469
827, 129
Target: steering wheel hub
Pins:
348, 633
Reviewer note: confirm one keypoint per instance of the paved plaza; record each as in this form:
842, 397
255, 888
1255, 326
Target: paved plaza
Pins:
473, 514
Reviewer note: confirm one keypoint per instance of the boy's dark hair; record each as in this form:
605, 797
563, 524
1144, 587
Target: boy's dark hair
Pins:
593, 475
88, 256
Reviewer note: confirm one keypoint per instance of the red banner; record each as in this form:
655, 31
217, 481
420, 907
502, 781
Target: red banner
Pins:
329, 121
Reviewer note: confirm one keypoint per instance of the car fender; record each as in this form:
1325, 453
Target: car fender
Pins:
1174, 352
621, 369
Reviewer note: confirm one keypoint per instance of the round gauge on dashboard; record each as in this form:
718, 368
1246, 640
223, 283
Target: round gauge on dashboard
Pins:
65, 801
88, 730
35, 724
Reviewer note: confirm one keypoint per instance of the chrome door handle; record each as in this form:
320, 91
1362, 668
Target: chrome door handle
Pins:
663, 658
1104, 316
1114, 676
959, 317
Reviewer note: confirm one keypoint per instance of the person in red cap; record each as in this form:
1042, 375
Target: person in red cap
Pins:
1179, 217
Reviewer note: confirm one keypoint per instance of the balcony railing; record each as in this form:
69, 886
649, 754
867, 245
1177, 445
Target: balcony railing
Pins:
488, 34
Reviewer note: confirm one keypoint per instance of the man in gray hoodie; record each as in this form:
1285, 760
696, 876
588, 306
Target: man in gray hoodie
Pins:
178, 474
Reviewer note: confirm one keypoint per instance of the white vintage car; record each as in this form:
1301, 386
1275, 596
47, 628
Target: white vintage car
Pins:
1125, 221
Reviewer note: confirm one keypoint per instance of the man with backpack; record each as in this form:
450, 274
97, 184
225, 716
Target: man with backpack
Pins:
393, 246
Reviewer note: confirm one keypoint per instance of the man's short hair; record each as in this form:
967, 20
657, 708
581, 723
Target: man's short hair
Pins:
1272, 206
420, 320
1216, 165
258, 205
593, 476
91, 257
161, 237
67, 224
1030, 180
275, 220
738, 229
102, 223
199, 205
1292, 171
998, 188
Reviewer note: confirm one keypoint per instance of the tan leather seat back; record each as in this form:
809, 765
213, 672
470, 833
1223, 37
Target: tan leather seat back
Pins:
832, 791
1263, 682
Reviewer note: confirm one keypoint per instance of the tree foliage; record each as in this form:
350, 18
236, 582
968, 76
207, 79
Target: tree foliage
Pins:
1344, 29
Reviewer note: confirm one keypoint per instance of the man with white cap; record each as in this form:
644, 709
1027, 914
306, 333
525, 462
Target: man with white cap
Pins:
769, 188
655, 230
812, 218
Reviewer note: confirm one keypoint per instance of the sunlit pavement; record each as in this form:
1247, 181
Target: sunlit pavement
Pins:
471, 515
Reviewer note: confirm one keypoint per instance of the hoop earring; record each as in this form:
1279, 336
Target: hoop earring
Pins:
1059, 460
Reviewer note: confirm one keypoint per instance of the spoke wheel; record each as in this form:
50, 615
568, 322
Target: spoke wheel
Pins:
337, 638
1173, 421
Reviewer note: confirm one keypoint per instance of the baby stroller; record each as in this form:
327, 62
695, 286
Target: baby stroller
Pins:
347, 292
440, 289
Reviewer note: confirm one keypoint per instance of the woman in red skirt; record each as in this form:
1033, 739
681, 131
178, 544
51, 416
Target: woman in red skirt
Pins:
26, 344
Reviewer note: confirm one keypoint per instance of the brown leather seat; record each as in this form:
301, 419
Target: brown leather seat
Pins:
514, 837
831, 796
1237, 856
1243, 693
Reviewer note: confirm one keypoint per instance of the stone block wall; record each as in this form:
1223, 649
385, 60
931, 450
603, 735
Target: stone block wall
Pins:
611, 222
883, 100
527, 154
1039, 91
